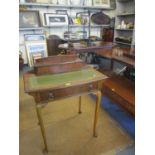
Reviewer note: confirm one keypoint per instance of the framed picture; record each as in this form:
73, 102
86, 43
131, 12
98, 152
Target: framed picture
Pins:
103, 3
29, 19
34, 50
34, 37
52, 19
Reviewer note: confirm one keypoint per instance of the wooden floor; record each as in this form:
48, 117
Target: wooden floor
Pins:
68, 133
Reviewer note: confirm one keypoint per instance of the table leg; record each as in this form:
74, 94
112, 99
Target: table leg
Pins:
42, 128
97, 107
80, 105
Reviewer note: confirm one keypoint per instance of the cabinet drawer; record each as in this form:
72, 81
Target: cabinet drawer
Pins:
50, 95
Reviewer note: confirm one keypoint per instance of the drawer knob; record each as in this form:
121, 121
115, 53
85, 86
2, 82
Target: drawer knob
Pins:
90, 86
113, 89
50, 96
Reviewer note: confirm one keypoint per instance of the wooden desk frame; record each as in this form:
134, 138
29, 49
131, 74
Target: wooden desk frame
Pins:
40, 106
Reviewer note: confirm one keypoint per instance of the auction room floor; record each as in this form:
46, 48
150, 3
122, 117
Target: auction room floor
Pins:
69, 133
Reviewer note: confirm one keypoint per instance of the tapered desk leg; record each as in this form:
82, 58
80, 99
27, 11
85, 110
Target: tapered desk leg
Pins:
80, 105
98, 101
42, 128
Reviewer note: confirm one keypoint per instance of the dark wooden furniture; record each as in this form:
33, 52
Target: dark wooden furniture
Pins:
107, 34
119, 88
86, 46
52, 45
121, 91
58, 64
53, 85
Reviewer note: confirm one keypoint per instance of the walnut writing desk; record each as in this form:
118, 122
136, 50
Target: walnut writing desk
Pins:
54, 85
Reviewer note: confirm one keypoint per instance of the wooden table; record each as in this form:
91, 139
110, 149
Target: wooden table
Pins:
86, 46
55, 85
127, 58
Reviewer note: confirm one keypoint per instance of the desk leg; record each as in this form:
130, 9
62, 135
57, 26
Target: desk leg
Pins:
97, 107
80, 105
42, 128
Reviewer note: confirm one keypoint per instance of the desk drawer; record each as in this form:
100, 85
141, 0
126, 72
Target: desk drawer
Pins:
66, 92
119, 100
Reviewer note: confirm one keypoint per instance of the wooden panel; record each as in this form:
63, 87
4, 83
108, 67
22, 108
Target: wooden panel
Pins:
56, 59
60, 68
121, 91
130, 108
46, 96
58, 64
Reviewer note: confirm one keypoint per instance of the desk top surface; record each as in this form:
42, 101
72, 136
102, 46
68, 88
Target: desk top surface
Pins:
62, 80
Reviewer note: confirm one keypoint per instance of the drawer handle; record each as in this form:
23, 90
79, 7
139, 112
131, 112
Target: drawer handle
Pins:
90, 86
50, 96
113, 89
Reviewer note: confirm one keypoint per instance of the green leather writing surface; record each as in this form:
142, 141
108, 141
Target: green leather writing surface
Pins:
63, 79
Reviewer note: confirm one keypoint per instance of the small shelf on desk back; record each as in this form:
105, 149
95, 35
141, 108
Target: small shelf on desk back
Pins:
58, 64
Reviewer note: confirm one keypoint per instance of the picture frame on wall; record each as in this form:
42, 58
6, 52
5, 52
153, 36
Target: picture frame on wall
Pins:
35, 50
29, 19
101, 3
34, 37
52, 19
